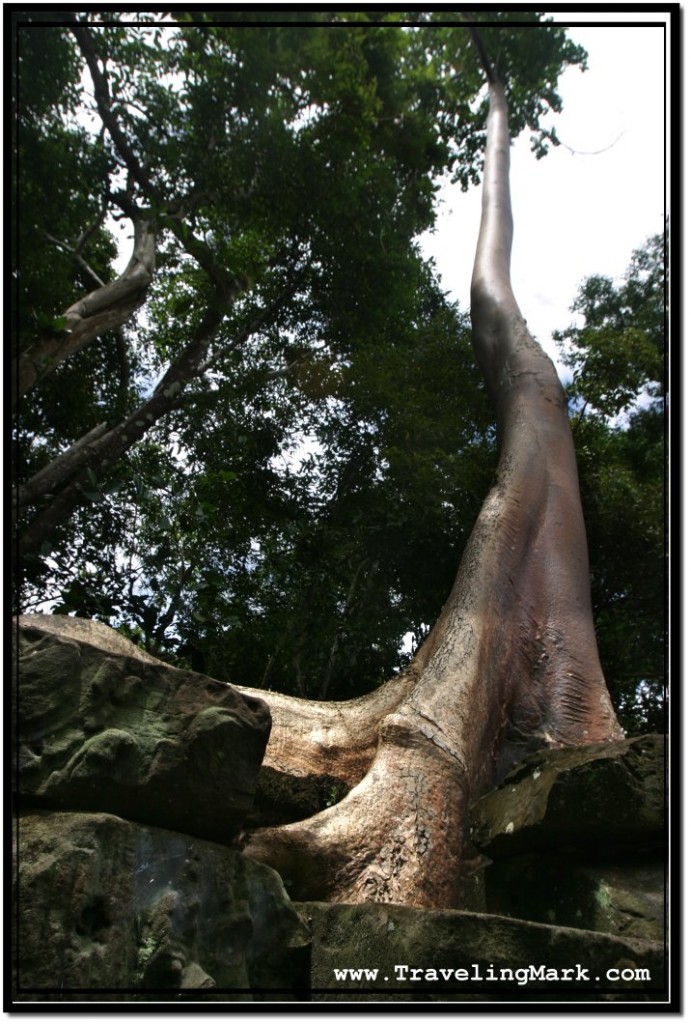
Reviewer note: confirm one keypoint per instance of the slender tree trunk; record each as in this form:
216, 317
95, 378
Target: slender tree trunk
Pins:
511, 665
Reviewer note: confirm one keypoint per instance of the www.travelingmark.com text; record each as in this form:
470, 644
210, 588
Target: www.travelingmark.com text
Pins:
488, 973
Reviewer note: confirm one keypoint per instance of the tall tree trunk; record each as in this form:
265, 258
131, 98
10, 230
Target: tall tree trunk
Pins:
511, 665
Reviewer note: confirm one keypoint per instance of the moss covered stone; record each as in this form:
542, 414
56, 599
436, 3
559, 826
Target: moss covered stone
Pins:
102, 731
110, 907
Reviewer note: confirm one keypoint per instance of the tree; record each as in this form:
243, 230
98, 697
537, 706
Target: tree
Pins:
215, 174
306, 578
511, 664
618, 397
213, 135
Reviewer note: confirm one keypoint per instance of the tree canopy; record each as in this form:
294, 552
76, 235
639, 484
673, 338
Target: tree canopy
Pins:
260, 446
619, 394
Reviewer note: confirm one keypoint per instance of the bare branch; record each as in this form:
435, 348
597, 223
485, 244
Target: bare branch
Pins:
592, 152
78, 257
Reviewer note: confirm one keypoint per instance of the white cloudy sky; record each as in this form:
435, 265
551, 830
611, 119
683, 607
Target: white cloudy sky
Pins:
576, 215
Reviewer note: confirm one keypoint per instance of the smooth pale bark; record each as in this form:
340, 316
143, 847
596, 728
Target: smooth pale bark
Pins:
102, 310
511, 665
328, 738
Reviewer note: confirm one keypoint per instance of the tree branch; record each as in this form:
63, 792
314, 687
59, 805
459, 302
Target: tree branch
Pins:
123, 361
104, 309
249, 330
481, 52
171, 219
591, 152
92, 228
61, 467
101, 453
135, 279
78, 257
105, 110
196, 248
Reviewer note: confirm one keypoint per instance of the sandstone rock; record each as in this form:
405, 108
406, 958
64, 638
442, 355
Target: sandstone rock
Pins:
116, 910
567, 859
622, 899
577, 838
395, 940
604, 797
87, 631
106, 731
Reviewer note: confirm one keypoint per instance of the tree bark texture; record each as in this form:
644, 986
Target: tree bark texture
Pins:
102, 310
511, 665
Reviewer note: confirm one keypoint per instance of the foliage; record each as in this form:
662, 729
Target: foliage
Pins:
618, 355
618, 393
302, 572
297, 505
62, 172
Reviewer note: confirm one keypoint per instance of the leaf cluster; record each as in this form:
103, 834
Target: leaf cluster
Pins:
618, 396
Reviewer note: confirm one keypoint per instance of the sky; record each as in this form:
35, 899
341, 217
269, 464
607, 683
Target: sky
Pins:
576, 215
585, 207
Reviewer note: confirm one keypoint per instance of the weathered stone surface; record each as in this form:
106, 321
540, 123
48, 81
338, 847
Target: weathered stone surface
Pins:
105, 731
572, 841
605, 797
384, 938
119, 910
623, 899
577, 837
87, 631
